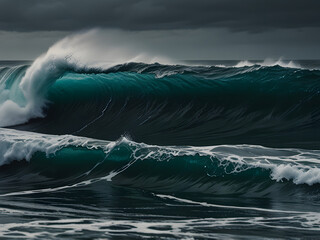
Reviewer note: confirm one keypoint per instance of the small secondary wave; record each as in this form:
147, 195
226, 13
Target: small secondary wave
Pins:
70, 161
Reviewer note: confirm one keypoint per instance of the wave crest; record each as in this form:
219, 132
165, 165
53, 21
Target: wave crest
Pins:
268, 63
75, 53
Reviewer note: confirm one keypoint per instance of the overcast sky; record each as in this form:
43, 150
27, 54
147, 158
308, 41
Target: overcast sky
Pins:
180, 29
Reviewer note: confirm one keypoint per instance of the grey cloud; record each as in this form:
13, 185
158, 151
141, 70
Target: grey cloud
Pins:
235, 15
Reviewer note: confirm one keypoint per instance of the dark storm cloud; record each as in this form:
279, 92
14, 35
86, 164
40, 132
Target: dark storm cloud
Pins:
236, 15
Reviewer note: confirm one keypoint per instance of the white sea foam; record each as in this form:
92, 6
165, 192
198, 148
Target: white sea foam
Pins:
21, 145
280, 62
268, 63
69, 223
244, 63
298, 174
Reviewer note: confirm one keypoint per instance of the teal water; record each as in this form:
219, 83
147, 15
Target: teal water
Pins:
205, 150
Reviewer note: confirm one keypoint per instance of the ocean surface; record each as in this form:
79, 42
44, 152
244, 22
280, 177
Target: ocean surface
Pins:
195, 150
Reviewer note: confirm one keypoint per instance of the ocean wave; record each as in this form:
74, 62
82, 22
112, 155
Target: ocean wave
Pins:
223, 169
269, 106
24, 91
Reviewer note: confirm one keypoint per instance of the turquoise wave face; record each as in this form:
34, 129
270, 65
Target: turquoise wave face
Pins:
179, 105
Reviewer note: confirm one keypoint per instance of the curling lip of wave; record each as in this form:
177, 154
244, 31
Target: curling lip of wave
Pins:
33, 87
69, 54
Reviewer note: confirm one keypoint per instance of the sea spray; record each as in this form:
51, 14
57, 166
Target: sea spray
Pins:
75, 53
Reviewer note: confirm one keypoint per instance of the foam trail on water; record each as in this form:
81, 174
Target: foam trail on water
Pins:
205, 204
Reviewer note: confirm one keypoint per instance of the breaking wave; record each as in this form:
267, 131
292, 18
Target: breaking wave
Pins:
222, 169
